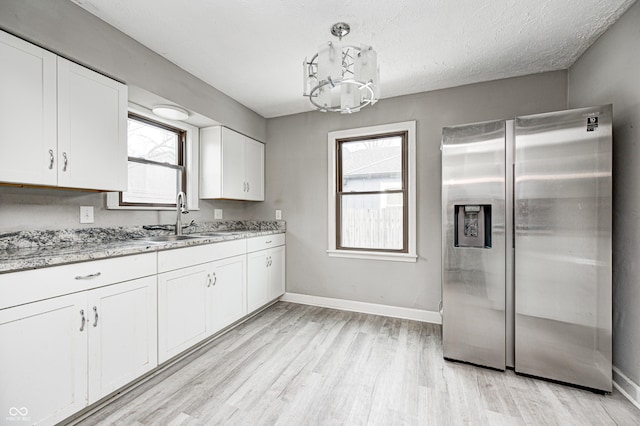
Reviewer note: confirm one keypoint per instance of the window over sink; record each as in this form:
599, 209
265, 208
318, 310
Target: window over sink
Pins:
162, 160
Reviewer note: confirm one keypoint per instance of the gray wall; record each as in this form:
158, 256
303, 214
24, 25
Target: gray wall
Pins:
609, 72
296, 175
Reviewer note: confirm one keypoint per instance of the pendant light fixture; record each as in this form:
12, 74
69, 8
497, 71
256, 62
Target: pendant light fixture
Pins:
342, 78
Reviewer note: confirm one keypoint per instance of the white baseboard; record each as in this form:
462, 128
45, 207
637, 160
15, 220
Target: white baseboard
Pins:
363, 307
626, 386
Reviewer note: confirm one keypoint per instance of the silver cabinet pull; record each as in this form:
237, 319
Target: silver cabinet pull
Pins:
208, 280
88, 277
95, 313
248, 187
215, 279
66, 161
268, 242
51, 159
82, 320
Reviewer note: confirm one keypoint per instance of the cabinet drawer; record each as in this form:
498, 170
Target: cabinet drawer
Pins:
169, 260
265, 242
18, 288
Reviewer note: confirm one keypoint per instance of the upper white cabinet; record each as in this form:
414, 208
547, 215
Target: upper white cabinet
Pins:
231, 165
92, 129
63, 124
28, 151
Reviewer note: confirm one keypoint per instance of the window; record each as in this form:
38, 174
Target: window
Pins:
372, 192
156, 163
162, 160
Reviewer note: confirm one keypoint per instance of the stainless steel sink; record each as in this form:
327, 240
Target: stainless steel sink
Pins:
166, 238
217, 234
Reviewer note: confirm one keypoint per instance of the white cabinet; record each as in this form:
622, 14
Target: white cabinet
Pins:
266, 270
43, 361
74, 347
198, 299
182, 309
228, 291
64, 124
27, 113
231, 165
122, 332
92, 129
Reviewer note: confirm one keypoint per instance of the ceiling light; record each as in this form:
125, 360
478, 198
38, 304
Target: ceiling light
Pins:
170, 112
340, 77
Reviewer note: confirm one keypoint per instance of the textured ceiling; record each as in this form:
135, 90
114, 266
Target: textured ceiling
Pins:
252, 50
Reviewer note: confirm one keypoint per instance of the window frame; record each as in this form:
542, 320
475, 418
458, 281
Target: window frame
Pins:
404, 190
408, 253
182, 148
190, 151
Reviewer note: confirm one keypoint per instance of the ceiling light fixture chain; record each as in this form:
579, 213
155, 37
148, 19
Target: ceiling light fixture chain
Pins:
342, 78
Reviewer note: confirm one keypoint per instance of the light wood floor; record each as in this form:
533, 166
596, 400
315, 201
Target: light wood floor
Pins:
301, 365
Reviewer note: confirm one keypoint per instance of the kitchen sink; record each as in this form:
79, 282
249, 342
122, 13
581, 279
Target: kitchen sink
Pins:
165, 238
217, 234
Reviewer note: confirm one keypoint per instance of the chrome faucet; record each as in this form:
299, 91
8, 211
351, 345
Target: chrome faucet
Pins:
181, 208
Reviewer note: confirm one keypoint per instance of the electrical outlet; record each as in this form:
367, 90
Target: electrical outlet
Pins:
278, 214
217, 213
86, 214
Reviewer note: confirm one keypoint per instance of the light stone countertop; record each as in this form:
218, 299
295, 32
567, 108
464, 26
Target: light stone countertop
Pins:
26, 250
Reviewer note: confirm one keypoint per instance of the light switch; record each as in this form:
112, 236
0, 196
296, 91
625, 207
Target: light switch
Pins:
86, 214
278, 214
217, 213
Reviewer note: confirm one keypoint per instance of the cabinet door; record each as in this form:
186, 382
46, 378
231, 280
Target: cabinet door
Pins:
233, 165
183, 304
257, 280
228, 291
122, 334
27, 113
92, 129
276, 271
254, 170
43, 361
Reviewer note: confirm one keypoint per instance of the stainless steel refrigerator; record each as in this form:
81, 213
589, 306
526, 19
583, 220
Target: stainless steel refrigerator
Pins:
526, 244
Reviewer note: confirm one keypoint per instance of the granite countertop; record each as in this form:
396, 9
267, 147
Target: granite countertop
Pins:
25, 250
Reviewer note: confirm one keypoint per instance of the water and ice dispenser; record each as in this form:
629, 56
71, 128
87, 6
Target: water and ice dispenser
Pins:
473, 225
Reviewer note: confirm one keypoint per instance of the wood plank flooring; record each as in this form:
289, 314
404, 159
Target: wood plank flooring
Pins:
302, 365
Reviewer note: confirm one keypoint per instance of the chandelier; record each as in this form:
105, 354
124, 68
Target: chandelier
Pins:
342, 78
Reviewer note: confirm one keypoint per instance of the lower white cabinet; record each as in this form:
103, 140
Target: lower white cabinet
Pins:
266, 271
63, 353
43, 361
122, 322
197, 301
182, 309
228, 292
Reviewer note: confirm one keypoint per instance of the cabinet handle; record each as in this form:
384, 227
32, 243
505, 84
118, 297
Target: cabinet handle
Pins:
208, 280
268, 242
82, 320
248, 187
95, 313
215, 279
51, 159
66, 161
88, 277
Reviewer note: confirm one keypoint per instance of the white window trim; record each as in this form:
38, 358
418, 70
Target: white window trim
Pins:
333, 137
193, 149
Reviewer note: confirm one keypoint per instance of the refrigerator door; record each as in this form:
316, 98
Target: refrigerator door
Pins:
563, 246
473, 243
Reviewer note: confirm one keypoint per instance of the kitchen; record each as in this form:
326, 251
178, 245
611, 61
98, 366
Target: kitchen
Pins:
296, 176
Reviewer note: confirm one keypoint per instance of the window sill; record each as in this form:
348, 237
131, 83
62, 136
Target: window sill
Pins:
394, 257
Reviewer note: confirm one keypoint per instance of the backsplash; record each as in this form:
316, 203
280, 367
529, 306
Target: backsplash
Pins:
63, 237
